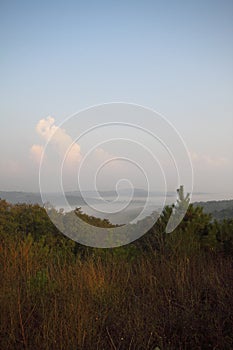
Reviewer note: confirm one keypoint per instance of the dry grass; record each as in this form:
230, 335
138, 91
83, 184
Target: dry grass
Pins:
50, 301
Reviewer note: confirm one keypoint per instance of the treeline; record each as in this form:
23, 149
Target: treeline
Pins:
165, 291
21, 220
219, 210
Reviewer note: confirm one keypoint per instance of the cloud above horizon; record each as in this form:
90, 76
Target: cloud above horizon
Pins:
61, 141
109, 168
36, 152
204, 159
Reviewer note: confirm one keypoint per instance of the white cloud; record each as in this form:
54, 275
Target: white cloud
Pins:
204, 159
58, 137
36, 152
46, 127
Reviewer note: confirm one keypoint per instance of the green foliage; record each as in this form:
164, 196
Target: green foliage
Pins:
224, 235
92, 220
172, 291
197, 228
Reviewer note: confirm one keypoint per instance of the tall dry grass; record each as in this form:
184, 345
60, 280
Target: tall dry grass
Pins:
55, 301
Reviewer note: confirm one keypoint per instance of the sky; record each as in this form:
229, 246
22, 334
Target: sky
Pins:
60, 57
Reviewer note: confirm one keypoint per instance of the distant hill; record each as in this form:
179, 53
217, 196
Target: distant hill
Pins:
137, 192
75, 197
218, 209
15, 197
35, 198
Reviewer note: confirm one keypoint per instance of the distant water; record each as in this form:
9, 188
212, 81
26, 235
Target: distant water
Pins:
117, 211
112, 210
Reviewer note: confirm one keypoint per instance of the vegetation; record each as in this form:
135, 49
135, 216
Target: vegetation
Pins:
219, 210
164, 291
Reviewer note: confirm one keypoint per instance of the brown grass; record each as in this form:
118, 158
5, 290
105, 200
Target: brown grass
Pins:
49, 301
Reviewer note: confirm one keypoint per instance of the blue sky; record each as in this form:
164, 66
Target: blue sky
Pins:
176, 57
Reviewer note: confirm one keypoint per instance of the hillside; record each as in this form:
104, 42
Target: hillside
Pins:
218, 209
